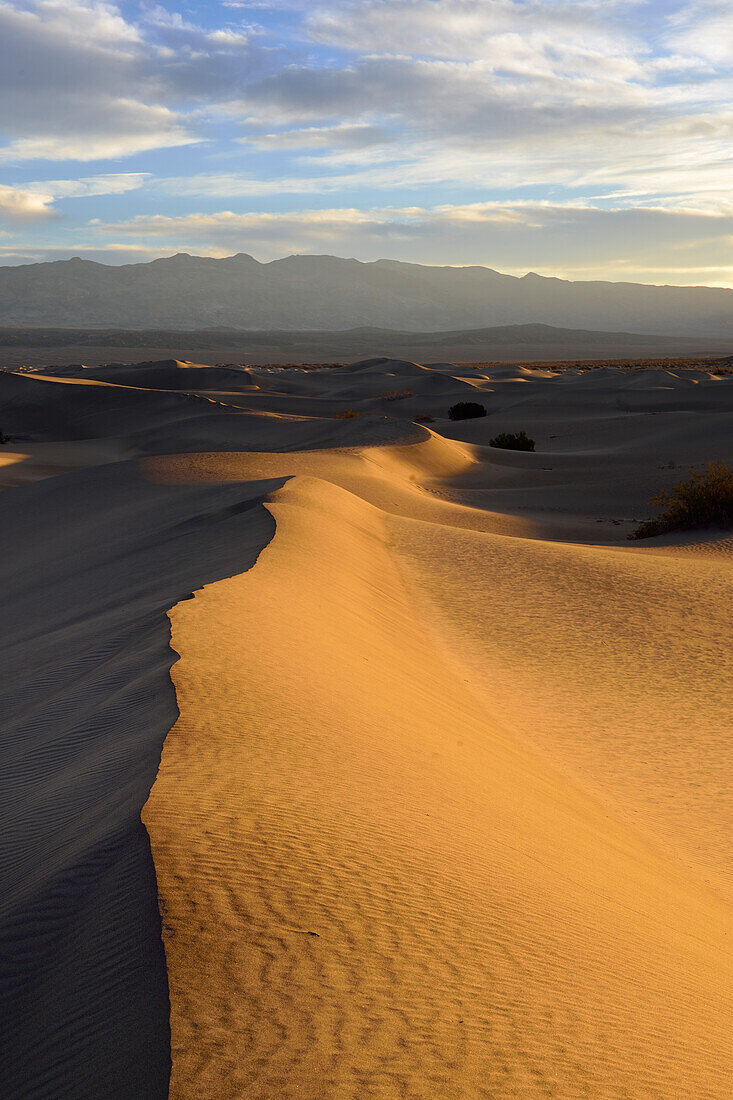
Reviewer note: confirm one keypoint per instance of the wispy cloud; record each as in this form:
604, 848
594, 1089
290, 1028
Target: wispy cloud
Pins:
529, 38
703, 29
34, 201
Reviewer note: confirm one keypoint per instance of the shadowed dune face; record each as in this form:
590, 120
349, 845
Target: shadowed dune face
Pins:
442, 809
95, 559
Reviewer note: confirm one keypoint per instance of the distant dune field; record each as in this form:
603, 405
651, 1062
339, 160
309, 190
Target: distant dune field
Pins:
34, 347
433, 763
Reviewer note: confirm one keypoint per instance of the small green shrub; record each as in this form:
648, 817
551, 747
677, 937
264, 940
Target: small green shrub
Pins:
466, 410
513, 441
705, 498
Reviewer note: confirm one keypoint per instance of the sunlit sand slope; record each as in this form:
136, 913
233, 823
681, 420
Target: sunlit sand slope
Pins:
371, 889
617, 663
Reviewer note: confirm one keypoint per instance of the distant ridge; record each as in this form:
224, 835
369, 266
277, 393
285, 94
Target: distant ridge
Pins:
326, 293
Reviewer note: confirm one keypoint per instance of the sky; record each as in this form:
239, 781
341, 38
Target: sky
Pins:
585, 139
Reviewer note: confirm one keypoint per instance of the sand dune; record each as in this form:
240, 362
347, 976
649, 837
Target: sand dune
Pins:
443, 810
480, 925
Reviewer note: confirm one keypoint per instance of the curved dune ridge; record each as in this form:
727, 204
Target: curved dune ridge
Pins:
443, 810
372, 889
400, 853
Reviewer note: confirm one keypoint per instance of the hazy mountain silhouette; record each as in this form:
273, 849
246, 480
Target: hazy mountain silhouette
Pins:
327, 293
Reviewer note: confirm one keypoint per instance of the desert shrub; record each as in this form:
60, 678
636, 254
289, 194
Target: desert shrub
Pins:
347, 414
426, 418
4, 438
513, 441
395, 395
466, 410
705, 498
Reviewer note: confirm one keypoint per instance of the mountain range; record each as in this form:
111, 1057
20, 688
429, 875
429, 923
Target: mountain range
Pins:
327, 293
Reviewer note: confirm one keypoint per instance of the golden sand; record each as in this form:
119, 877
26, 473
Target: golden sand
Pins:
373, 886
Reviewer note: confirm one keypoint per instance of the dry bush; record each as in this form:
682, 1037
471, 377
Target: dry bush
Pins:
395, 395
705, 498
466, 410
347, 414
512, 441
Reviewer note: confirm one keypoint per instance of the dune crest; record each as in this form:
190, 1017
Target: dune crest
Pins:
372, 889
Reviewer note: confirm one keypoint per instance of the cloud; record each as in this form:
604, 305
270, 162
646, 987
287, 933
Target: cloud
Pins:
430, 123
23, 205
237, 185
113, 183
703, 30
135, 132
185, 36
268, 5
340, 136
498, 94
107, 254
525, 37
66, 86
78, 81
33, 202
454, 101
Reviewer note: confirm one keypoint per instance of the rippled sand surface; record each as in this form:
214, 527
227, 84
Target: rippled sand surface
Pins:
445, 808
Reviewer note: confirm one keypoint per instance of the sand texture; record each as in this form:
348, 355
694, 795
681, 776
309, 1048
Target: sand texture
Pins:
443, 802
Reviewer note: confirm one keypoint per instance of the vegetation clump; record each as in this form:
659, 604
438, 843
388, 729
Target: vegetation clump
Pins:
4, 438
395, 395
706, 498
466, 410
347, 414
512, 441
426, 418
